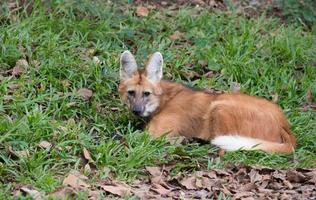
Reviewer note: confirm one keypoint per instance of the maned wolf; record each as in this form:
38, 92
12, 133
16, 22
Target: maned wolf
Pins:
230, 121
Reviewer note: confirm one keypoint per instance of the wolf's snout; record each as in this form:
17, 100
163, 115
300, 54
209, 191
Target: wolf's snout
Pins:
137, 110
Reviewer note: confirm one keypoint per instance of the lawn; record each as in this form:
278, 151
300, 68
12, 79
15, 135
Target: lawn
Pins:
50, 54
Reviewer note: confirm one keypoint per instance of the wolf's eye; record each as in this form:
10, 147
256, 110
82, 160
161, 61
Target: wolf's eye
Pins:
146, 94
131, 92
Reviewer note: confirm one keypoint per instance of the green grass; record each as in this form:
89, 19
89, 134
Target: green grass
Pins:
263, 55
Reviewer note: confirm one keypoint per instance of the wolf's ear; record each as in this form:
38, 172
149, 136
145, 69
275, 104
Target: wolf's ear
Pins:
154, 67
128, 65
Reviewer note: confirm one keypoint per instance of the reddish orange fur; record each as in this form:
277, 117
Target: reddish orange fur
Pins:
183, 111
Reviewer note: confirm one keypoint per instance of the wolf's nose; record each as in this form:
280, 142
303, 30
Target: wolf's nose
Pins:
137, 112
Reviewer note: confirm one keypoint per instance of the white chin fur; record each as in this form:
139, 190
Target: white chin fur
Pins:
150, 108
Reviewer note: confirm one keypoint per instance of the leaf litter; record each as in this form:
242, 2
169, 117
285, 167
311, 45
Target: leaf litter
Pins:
235, 181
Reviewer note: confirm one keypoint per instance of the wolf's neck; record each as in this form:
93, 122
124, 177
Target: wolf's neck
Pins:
169, 91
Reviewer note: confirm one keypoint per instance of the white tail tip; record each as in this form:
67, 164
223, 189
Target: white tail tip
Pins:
236, 142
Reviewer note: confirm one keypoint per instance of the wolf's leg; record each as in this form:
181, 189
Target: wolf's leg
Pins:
160, 126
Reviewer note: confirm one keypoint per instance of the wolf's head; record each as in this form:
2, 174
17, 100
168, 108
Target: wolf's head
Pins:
140, 89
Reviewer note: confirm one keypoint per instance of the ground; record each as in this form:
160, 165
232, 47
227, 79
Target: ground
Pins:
65, 131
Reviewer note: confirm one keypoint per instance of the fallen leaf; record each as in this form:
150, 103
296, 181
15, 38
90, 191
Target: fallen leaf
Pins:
45, 145
159, 189
176, 36
19, 154
94, 195
275, 97
192, 75
235, 87
254, 176
164, 3
210, 74
288, 184
221, 172
199, 183
309, 96
66, 83
156, 174
242, 195
221, 153
275, 185
247, 187
116, 189
91, 51
36, 195
142, 11
12, 86
96, 60
188, 183
203, 63
17, 71
74, 181
295, 176
85, 93
61, 193
87, 169
35, 63
154, 171
87, 155
71, 104
114, 109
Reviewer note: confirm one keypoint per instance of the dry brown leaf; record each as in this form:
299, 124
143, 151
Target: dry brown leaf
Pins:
116, 189
275, 97
159, 189
288, 184
221, 153
85, 93
221, 172
176, 36
12, 86
74, 181
19, 154
20, 67
71, 104
295, 176
96, 60
235, 87
225, 190
188, 183
35, 63
87, 155
61, 193
309, 96
247, 187
17, 70
45, 145
91, 51
154, 171
199, 183
87, 169
203, 63
94, 195
142, 11
210, 74
66, 83
36, 195
114, 109
242, 195
254, 176
275, 186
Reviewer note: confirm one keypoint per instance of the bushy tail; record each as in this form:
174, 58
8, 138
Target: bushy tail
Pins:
236, 142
